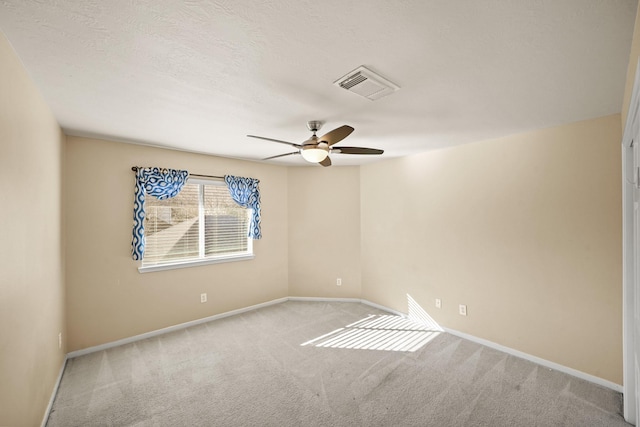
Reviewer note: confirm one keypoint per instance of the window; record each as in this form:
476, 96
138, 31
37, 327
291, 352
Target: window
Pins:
202, 224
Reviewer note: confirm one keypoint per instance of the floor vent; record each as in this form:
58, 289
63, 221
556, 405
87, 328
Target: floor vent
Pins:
364, 82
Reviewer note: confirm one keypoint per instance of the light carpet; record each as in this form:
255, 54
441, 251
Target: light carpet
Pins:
252, 369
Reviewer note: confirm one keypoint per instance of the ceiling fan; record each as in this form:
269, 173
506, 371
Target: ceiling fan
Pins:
317, 149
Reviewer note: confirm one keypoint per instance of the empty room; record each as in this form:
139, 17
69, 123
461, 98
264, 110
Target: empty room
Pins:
296, 213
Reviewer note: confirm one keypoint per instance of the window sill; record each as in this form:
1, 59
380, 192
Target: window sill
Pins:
195, 263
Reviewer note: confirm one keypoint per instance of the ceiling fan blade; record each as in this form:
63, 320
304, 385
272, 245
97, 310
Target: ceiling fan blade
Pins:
326, 162
336, 135
276, 140
282, 155
356, 150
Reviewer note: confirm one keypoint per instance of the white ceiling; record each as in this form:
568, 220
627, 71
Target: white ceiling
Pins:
200, 75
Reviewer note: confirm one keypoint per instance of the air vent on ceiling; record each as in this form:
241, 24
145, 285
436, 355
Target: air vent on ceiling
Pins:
365, 82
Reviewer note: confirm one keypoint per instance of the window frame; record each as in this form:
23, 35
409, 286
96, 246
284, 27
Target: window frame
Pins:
201, 260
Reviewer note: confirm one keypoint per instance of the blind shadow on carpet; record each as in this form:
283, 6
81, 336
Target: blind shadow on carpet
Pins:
378, 332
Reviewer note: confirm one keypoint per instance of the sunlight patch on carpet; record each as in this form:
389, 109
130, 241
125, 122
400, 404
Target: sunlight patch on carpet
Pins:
379, 332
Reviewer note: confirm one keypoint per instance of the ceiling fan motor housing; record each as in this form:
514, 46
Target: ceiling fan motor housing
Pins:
311, 142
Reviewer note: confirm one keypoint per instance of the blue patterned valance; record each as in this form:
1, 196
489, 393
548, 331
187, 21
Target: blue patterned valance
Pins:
245, 192
157, 182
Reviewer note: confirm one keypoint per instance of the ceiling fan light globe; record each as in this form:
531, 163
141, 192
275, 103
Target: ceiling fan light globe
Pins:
314, 155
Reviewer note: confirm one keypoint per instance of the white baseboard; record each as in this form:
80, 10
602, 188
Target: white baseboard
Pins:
54, 393
383, 308
178, 327
321, 299
543, 362
363, 301
490, 344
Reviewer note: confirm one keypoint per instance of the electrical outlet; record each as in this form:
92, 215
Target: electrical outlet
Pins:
203, 297
338, 282
438, 303
60, 340
463, 310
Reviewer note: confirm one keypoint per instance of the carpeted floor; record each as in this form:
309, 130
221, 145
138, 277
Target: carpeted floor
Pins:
253, 370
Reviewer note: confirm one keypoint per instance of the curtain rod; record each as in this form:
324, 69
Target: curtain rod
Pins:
135, 168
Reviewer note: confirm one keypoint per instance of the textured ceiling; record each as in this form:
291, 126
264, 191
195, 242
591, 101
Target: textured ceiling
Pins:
200, 75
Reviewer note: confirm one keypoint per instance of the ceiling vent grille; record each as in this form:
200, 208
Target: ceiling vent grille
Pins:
364, 82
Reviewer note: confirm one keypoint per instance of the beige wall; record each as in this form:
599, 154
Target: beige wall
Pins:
524, 230
31, 254
631, 69
108, 299
324, 231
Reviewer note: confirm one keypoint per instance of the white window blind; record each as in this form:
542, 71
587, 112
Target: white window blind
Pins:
226, 223
201, 222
